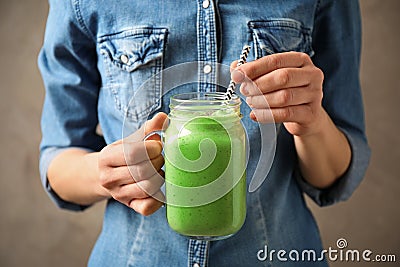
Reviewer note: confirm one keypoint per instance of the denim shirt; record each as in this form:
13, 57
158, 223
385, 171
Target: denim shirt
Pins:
97, 53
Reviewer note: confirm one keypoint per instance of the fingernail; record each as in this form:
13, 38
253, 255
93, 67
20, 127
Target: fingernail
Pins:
243, 89
252, 116
237, 76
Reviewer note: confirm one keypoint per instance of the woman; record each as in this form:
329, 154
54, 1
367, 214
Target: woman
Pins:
305, 61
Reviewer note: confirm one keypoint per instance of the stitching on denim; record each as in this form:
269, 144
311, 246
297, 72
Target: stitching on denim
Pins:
157, 85
206, 42
104, 52
137, 242
79, 17
200, 48
279, 23
263, 220
317, 8
156, 65
219, 24
159, 33
258, 25
133, 31
212, 51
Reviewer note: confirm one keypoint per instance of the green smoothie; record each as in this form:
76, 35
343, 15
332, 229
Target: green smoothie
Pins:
218, 208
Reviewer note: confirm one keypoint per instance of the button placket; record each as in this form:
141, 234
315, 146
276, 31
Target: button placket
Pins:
198, 253
207, 45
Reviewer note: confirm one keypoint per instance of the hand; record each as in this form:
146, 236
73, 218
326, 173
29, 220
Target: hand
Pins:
291, 85
134, 178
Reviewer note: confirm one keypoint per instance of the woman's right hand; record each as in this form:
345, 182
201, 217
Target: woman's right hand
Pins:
130, 169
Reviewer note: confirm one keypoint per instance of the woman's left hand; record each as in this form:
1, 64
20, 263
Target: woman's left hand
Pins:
287, 86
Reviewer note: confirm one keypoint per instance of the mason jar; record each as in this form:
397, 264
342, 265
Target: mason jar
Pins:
205, 163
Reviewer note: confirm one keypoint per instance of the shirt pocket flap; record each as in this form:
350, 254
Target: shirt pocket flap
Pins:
131, 49
280, 35
132, 57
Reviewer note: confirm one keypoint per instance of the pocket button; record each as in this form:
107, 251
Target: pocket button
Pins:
124, 59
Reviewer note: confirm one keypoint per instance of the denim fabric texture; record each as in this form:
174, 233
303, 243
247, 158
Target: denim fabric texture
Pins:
95, 56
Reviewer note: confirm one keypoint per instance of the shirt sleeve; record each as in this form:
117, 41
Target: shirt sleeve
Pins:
337, 46
68, 64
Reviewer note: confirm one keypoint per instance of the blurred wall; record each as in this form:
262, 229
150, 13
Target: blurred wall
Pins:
33, 232
371, 219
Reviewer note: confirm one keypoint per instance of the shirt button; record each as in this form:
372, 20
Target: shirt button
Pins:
207, 69
196, 264
124, 59
206, 3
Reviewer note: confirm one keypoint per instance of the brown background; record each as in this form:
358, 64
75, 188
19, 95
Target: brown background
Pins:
33, 232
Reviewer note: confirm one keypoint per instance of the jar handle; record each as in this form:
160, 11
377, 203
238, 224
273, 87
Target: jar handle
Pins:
159, 133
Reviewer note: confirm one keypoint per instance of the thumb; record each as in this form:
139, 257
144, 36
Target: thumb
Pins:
156, 123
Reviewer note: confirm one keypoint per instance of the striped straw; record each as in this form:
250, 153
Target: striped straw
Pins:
231, 88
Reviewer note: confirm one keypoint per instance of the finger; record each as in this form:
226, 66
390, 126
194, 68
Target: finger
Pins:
140, 190
233, 65
129, 153
284, 78
148, 187
146, 169
283, 98
147, 206
115, 177
111, 155
298, 114
273, 62
138, 152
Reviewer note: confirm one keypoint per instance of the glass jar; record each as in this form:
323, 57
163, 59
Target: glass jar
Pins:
205, 162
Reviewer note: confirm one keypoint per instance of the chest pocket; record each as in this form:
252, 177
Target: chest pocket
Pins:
131, 58
280, 35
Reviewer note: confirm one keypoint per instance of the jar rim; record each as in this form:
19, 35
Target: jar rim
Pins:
205, 99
